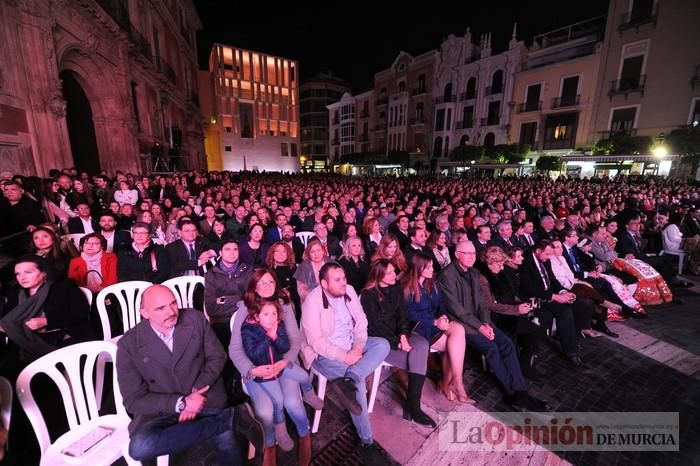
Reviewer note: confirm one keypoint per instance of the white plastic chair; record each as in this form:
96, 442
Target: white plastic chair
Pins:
375, 385
321, 392
304, 236
128, 294
87, 293
183, 288
5, 403
74, 380
75, 237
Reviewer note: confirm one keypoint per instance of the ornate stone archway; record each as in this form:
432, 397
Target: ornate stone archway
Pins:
107, 93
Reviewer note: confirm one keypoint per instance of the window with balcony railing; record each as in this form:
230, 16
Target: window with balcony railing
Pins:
534, 106
566, 101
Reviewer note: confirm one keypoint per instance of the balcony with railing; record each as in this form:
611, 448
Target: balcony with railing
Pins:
627, 85
417, 121
466, 124
382, 101
445, 99
637, 16
418, 91
566, 101
491, 120
466, 96
531, 106
164, 68
493, 90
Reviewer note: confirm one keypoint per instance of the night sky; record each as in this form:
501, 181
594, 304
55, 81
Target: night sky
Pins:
355, 40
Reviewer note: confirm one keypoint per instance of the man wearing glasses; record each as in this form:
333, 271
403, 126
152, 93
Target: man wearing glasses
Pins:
459, 284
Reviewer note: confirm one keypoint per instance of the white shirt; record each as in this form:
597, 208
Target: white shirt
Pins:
110, 241
87, 225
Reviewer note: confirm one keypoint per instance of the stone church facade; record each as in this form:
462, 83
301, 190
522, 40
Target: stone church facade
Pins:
98, 85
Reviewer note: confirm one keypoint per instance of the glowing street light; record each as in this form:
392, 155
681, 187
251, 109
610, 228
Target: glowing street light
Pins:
660, 151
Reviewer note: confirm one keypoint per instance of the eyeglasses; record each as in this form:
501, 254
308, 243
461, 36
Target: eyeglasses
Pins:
93, 243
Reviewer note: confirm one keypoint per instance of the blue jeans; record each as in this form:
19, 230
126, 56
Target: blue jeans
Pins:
271, 398
374, 353
164, 436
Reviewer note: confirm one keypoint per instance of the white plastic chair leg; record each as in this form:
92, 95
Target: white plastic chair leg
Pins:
322, 381
375, 387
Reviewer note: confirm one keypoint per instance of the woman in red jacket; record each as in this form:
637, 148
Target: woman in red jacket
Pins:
95, 268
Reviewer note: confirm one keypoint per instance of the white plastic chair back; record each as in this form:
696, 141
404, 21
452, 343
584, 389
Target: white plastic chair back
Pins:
128, 294
74, 382
5, 403
183, 288
304, 236
87, 293
75, 237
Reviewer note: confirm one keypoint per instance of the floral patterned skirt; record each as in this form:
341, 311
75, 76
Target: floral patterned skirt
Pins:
651, 288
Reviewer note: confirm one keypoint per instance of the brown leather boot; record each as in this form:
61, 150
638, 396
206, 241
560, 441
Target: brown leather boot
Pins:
270, 456
305, 450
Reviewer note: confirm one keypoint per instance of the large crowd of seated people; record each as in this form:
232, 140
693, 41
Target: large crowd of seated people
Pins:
335, 274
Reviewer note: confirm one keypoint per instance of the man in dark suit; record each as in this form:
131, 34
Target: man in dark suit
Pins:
189, 253
459, 284
546, 229
504, 238
116, 239
274, 233
483, 237
629, 247
399, 228
418, 238
528, 238
83, 223
169, 369
207, 222
538, 281
330, 243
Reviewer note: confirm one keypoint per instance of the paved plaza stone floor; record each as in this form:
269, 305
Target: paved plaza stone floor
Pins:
653, 366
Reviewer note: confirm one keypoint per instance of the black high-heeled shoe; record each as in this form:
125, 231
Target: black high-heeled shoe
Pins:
418, 417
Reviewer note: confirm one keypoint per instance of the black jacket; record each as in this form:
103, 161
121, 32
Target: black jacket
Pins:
531, 283
75, 225
355, 272
66, 308
230, 286
387, 318
180, 261
132, 267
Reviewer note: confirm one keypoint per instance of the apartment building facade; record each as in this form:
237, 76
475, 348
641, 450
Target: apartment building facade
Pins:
555, 89
314, 97
254, 116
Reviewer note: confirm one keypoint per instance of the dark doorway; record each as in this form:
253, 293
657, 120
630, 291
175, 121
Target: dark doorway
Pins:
81, 130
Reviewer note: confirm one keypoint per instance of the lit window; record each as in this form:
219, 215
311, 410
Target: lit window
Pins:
559, 132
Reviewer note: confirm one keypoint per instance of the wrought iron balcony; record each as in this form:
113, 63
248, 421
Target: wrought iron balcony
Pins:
490, 90
532, 106
417, 121
466, 124
467, 96
418, 91
566, 101
628, 85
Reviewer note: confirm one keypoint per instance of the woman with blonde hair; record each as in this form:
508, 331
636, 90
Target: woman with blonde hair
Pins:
388, 248
306, 274
354, 262
426, 311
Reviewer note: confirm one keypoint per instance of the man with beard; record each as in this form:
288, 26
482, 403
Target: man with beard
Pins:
116, 239
289, 237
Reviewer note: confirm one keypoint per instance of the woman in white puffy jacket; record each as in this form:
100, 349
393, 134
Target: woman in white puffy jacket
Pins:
671, 235
124, 195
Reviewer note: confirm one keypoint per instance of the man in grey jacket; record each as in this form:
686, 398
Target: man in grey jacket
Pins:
459, 284
169, 369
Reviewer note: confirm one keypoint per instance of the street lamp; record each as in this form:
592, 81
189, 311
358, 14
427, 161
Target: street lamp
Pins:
660, 151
